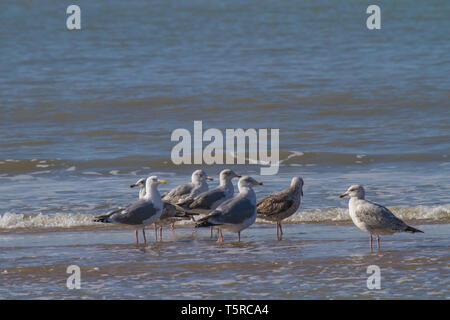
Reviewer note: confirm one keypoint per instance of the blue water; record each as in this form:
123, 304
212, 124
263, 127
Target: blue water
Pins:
85, 113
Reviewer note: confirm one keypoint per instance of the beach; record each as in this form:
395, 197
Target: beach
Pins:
314, 261
85, 113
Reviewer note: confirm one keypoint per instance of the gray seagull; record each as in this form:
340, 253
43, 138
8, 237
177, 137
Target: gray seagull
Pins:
189, 190
140, 213
235, 214
171, 212
372, 217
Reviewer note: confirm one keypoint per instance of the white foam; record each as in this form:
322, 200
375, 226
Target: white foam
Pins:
434, 213
21, 177
40, 172
10, 220
92, 173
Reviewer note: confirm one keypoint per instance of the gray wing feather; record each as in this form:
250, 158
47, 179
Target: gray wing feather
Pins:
232, 211
196, 191
379, 217
206, 199
181, 190
135, 213
171, 210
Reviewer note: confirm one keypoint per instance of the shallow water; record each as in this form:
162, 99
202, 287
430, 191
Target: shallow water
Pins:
313, 261
86, 113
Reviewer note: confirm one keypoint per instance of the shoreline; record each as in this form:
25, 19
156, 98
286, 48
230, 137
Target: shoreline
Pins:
103, 226
313, 261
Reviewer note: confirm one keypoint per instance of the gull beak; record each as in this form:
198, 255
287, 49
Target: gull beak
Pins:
301, 192
260, 183
209, 178
238, 175
343, 195
133, 185
162, 181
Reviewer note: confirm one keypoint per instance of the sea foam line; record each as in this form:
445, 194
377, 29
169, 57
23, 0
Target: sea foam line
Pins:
11, 220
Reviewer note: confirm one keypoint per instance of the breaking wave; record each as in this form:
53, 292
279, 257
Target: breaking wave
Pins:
10, 221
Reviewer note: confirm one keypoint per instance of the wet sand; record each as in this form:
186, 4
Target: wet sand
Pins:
313, 261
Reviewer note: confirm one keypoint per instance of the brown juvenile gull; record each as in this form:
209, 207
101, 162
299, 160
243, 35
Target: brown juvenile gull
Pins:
194, 188
372, 217
235, 214
139, 213
281, 205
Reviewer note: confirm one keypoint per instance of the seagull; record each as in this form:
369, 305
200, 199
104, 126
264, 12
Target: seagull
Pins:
372, 217
141, 184
235, 214
189, 190
208, 200
171, 212
140, 213
281, 205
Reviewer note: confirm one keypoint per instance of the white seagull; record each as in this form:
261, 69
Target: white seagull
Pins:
171, 212
235, 214
372, 217
139, 213
281, 205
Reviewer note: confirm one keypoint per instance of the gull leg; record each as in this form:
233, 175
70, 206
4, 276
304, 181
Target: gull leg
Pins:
281, 231
160, 233
172, 226
371, 247
211, 232
278, 232
220, 236
239, 236
137, 240
143, 233
156, 232
378, 242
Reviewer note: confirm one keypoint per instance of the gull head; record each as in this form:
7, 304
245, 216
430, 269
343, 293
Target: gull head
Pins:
354, 191
140, 183
227, 175
200, 175
248, 182
153, 182
297, 182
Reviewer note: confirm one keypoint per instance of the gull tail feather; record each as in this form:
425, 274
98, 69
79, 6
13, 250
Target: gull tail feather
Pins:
205, 222
412, 230
105, 217
185, 202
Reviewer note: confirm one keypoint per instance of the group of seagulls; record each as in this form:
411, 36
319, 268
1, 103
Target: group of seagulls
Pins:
220, 208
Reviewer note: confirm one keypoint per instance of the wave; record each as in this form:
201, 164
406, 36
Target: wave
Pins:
11, 222
295, 157
128, 164
439, 214
133, 162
